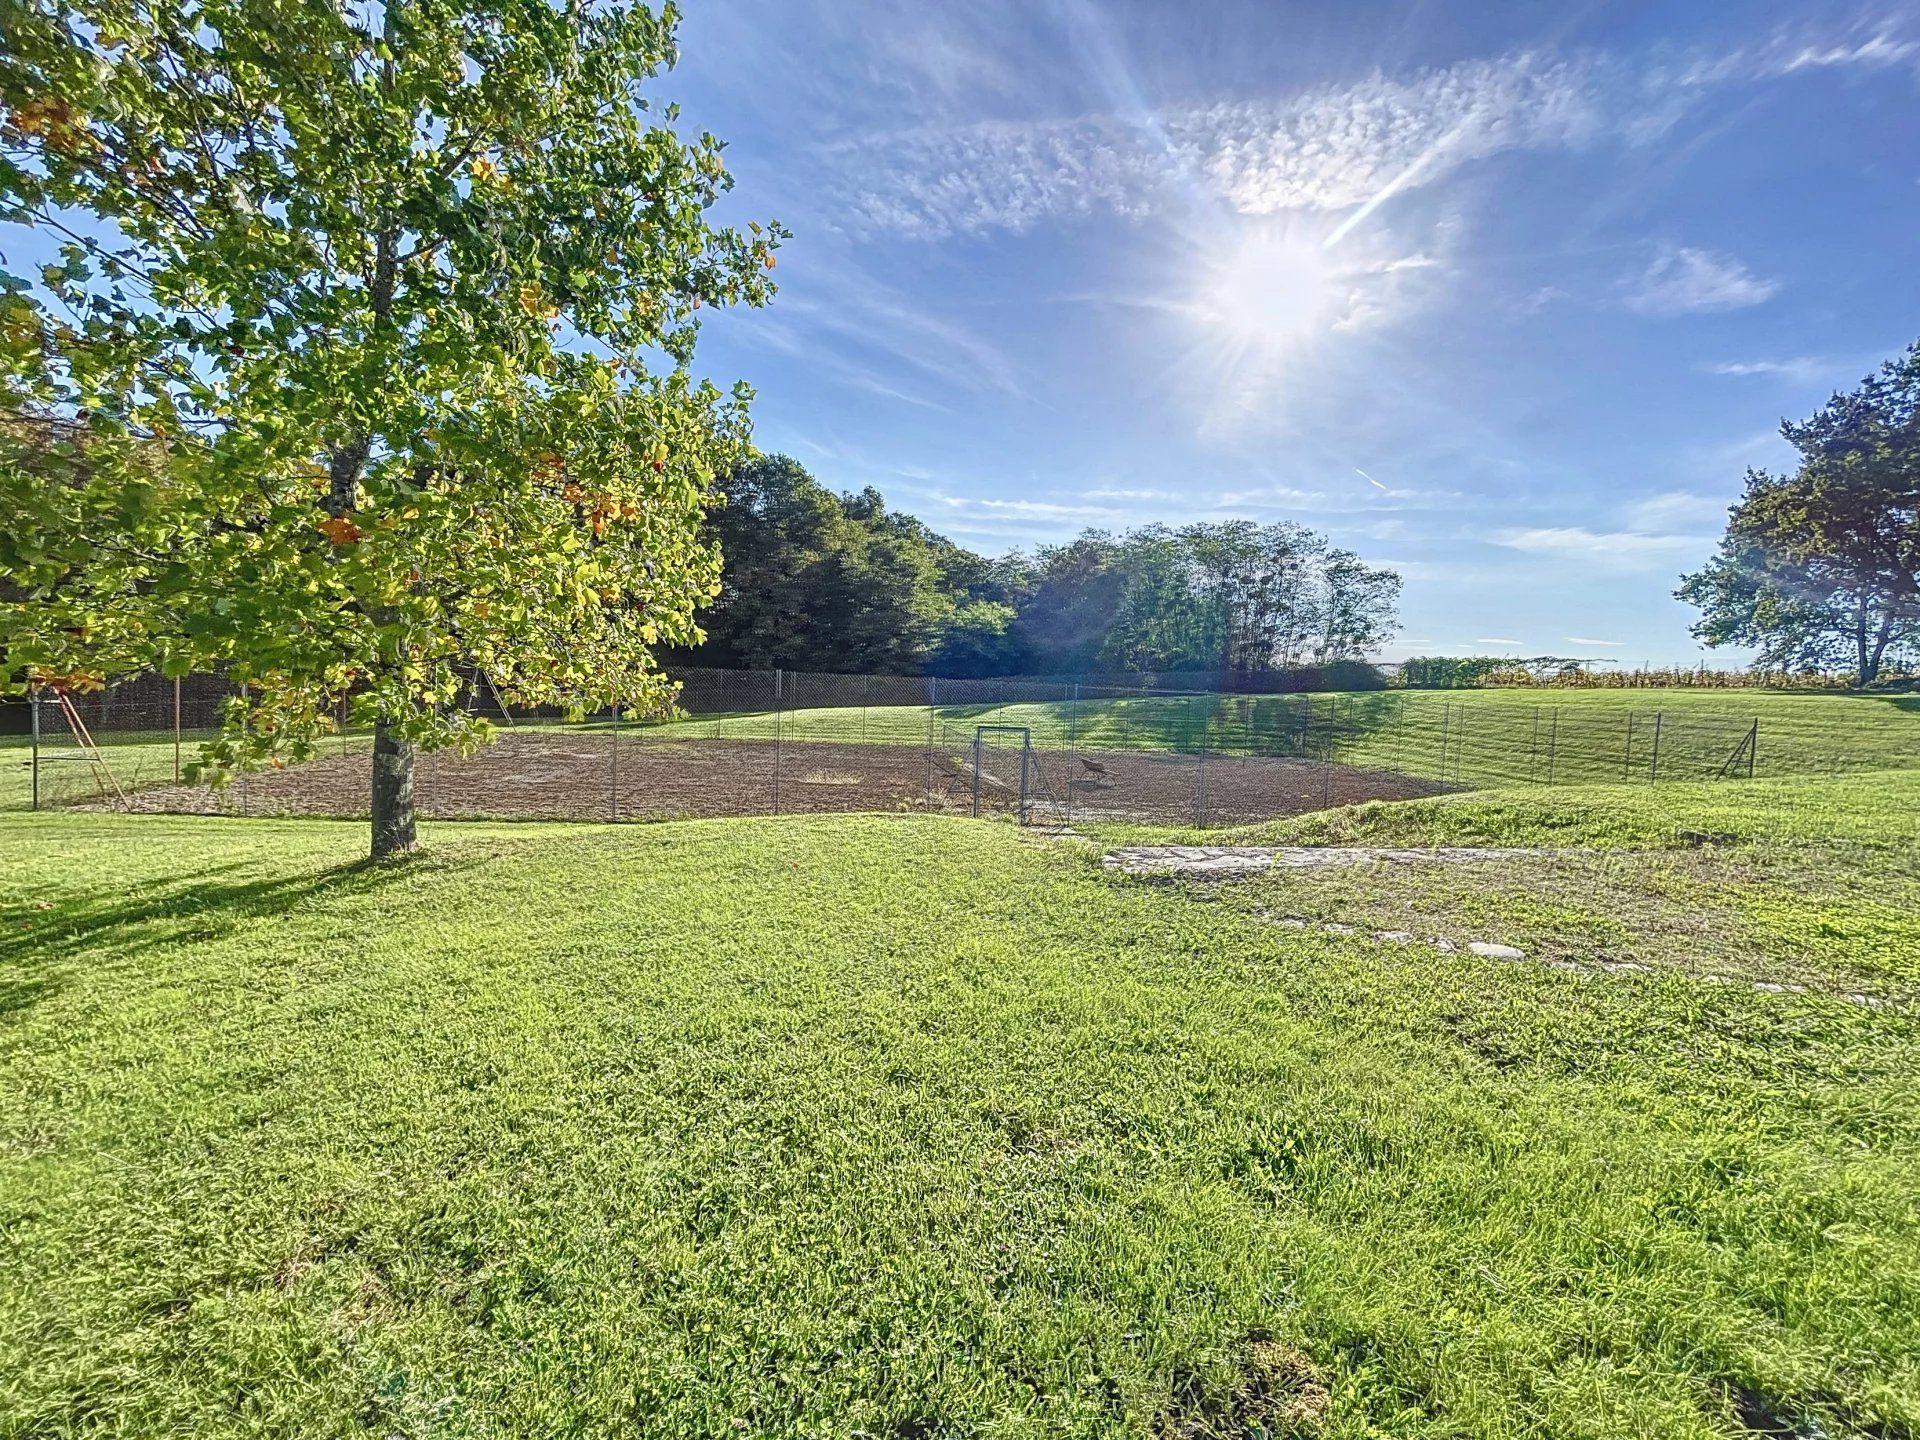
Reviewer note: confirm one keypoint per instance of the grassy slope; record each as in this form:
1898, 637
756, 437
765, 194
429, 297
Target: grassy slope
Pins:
1486, 736
908, 1126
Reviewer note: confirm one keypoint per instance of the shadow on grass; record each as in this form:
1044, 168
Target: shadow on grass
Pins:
1909, 703
37, 949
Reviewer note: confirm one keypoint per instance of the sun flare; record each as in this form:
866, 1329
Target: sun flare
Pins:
1270, 290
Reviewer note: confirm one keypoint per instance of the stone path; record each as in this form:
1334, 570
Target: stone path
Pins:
1232, 862
1167, 863
1489, 950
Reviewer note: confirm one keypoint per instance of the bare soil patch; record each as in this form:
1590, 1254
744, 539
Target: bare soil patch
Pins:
596, 775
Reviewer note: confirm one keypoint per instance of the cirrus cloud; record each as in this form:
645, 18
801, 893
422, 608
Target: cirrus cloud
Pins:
1685, 281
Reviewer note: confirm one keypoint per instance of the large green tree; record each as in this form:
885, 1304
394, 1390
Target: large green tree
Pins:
374, 324
1822, 567
819, 581
1232, 597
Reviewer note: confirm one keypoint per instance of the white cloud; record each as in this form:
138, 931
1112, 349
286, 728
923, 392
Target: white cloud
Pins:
1495, 640
1331, 148
1026, 509
1672, 510
1685, 281
1613, 548
1341, 147
1165, 496
1589, 640
1878, 50
1801, 370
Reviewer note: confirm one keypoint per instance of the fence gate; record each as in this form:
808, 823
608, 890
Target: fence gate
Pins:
1004, 770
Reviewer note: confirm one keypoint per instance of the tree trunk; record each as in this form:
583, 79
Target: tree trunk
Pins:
1878, 651
393, 830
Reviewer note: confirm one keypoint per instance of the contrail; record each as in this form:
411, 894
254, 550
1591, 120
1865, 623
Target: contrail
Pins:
1368, 478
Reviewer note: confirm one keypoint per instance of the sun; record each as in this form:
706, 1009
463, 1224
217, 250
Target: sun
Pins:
1269, 290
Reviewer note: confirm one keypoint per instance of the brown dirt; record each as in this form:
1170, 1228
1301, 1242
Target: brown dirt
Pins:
546, 776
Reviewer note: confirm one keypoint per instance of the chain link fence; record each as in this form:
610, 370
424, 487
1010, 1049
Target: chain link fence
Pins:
782, 742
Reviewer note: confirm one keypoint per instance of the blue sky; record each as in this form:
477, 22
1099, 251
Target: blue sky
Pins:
1507, 295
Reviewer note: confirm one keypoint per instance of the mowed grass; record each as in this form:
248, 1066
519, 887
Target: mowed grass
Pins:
916, 1127
1474, 737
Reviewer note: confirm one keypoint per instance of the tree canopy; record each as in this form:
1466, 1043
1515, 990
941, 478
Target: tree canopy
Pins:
1821, 568
815, 580
367, 359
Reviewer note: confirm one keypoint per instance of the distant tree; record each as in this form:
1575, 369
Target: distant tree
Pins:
775, 533
1359, 608
1451, 672
405, 293
1233, 597
1070, 596
1822, 567
812, 580
977, 639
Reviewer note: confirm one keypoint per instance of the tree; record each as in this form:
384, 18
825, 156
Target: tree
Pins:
818, 581
403, 295
1822, 567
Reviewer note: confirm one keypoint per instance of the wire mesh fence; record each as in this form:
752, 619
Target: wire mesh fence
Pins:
781, 742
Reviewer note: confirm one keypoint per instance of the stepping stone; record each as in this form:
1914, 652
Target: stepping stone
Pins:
1486, 949
1236, 862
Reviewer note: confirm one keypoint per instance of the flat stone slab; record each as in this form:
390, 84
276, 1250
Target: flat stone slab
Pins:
1233, 862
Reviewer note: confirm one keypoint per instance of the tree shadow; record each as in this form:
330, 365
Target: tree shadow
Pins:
38, 952
1908, 703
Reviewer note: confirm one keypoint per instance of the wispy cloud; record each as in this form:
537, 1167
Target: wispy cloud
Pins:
1495, 640
1802, 369
1879, 49
1342, 147
1626, 549
1589, 640
1675, 510
1329, 148
1685, 281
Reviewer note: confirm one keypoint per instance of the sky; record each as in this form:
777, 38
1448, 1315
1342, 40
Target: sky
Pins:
1506, 294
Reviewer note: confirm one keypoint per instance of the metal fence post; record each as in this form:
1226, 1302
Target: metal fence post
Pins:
1653, 775
1446, 722
1533, 747
1026, 754
777, 686
1753, 746
933, 690
976, 773
176, 730
1553, 744
613, 787
1626, 761
33, 704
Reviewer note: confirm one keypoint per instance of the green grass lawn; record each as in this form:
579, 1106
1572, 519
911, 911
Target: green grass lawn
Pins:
915, 1127
1476, 737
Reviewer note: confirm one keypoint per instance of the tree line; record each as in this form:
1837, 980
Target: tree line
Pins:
1819, 570
815, 580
